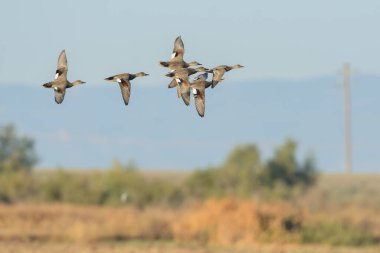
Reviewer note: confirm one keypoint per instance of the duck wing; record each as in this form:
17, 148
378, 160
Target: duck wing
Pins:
59, 94
184, 86
179, 48
199, 100
173, 83
61, 66
125, 87
179, 91
217, 76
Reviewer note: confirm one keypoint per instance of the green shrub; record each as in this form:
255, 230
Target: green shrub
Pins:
336, 233
17, 186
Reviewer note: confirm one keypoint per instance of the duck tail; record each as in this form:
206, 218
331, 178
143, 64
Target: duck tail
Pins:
47, 85
171, 74
109, 78
164, 64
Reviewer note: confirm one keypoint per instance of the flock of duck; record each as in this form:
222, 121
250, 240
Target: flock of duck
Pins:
180, 72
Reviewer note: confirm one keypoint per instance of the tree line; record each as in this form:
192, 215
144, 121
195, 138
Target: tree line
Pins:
243, 174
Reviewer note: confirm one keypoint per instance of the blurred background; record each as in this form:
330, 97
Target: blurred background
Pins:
287, 153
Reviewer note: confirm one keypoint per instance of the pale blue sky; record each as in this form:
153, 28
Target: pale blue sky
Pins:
274, 39
292, 51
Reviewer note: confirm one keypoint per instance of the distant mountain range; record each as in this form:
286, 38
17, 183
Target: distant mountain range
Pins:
158, 131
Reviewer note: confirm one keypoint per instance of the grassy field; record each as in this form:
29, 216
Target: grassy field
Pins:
154, 247
337, 190
339, 210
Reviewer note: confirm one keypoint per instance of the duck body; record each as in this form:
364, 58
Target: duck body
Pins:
177, 63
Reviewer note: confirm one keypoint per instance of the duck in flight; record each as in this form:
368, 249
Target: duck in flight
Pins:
218, 73
176, 61
124, 82
180, 69
60, 82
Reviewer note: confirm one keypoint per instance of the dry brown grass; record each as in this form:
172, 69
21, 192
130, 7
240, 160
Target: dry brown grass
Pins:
231, 221
82, 223
224, 222
152, 247
220, 222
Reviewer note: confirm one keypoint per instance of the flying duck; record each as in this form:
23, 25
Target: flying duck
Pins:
124, 82
60, 82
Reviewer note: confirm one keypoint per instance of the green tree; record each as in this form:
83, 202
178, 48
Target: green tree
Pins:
239, 172
244, 175
285, 173
16, 152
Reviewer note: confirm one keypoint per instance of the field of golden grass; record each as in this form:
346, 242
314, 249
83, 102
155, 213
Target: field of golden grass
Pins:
216, 225
154, 247
222, 222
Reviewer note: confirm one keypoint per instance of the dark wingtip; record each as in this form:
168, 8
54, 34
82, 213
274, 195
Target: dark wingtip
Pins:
164, 64
186, 102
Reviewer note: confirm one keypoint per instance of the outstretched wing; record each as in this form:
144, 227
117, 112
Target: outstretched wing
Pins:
217, 76
59, 94
125, 87
179, 48
199, 99
61, 66
185, 90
